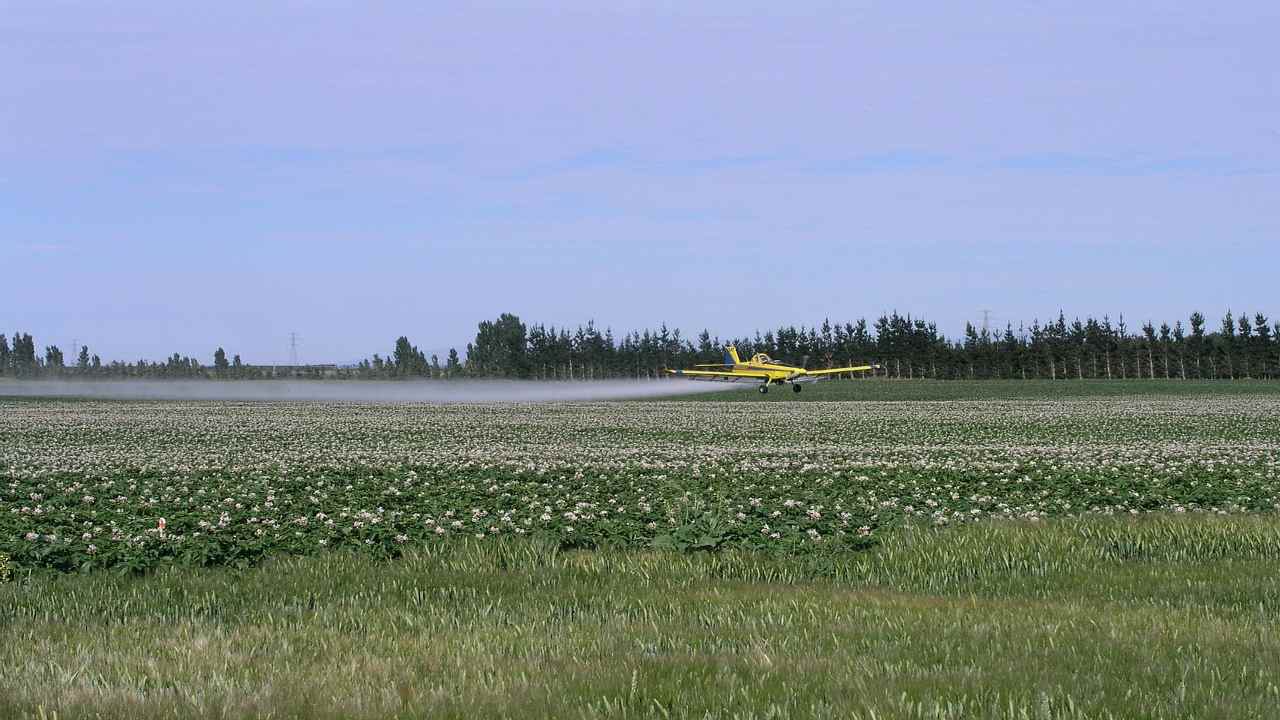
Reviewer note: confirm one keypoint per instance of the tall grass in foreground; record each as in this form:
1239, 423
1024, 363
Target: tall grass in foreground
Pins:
1159, 617
991, 556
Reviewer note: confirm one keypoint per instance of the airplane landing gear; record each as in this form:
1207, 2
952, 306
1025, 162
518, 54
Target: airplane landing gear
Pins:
795, 388
764, 389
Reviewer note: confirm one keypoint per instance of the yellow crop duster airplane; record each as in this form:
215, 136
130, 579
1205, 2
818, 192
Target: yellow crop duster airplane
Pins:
763, 370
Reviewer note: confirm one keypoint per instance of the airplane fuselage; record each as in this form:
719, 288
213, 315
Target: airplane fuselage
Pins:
762, 370
778, 373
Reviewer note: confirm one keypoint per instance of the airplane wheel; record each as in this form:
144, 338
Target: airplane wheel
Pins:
795, 388
764, 389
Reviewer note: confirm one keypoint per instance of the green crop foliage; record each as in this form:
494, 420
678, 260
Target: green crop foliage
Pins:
131, 486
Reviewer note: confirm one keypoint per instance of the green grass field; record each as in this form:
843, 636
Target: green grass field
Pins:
1111, 554
1108, 618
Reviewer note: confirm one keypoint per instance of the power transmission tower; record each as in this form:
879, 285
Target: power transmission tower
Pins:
293, 349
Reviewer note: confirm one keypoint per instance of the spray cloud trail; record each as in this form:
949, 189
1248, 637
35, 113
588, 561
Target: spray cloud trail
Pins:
372, 391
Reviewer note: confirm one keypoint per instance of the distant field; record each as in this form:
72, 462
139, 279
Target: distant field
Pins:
1042, 557
886, 389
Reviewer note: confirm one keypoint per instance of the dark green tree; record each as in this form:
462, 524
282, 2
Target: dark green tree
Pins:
408, 359
1227, 344
1261, 350
1076, 341
53, 359
1149, 335
1246, 345
220, 364
23, 360
500, 348
707, 350
1122, 344
1180, 348
1196, 343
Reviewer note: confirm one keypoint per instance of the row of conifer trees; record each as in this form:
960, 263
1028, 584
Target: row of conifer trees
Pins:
1238, 347
906, 347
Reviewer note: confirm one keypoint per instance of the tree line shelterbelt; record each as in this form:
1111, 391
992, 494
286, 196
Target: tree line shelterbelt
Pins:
1247, 346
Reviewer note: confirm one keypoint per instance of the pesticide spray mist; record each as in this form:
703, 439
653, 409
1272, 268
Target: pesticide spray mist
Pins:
431, 391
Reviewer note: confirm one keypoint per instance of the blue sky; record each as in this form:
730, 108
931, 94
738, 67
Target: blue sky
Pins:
174, 178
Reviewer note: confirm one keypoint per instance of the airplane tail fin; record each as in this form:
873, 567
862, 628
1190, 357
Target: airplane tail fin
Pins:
731, 356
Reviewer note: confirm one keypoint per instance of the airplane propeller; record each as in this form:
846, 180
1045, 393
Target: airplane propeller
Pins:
804, 365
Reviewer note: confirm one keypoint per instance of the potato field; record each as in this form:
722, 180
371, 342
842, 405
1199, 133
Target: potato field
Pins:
132, 485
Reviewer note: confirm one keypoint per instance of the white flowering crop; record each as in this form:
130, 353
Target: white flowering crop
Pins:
135, 484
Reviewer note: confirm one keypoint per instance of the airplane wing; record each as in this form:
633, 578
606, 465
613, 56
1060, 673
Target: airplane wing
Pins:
833, 371
722, 376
